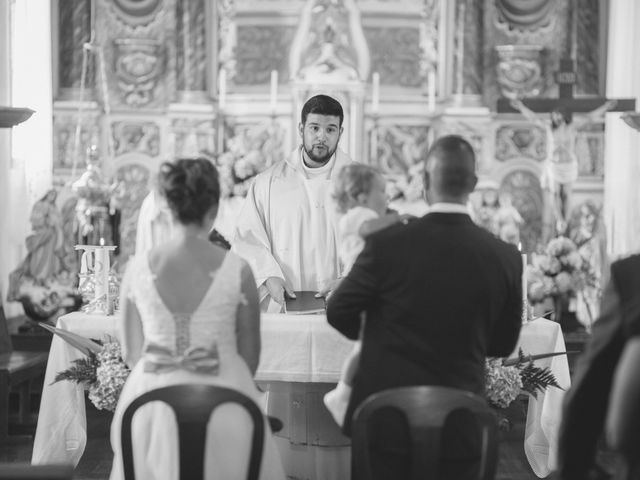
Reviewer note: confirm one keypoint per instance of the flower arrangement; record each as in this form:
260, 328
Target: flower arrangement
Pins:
505, 379
248, 152
558, 271
102, 372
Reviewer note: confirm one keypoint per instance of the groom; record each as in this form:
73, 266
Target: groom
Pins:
440, 294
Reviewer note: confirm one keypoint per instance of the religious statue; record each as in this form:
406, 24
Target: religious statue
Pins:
94, 209
41, 282
561, 169
507, 220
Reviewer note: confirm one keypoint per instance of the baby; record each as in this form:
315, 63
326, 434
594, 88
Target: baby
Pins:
359, 192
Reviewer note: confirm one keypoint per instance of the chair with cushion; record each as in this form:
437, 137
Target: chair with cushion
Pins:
425, 411
35, 472
17, 369
193, 405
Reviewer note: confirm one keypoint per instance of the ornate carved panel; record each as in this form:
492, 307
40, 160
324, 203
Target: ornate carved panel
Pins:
526, 16
514, 141
139, 64
143, 137
395, 55
262, 48
400, 147
64, 131
524, 187
136, 14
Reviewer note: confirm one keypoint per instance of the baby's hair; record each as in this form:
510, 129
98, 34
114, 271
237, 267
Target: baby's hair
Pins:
351, 181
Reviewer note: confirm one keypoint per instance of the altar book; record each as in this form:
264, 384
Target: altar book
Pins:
304, 303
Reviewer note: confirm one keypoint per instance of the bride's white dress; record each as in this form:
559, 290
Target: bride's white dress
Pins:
154, 432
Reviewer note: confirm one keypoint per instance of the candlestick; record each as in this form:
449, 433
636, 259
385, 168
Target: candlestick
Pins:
431, 90
273, 97
222, 88
96, 258
101, 272
375, 93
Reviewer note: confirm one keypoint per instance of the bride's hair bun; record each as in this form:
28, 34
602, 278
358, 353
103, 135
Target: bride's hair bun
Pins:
191, 187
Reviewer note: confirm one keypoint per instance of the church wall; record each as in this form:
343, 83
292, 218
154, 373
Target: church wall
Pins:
162, 63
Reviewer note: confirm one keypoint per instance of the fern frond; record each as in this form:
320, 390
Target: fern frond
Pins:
536, 379
82, 371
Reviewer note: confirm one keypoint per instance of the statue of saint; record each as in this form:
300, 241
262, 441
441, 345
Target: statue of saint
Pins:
94, 200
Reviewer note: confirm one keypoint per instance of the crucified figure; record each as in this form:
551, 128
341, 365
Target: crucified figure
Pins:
561, 166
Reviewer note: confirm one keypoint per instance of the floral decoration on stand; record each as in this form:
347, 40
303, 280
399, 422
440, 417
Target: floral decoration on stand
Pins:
559, 272
505, 379
248, 153
102, 372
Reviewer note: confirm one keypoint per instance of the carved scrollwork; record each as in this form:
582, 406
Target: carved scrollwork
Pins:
139, 13
513, 141
519, 70
138, 64
143, 137
64, 130
193, 137
526, 15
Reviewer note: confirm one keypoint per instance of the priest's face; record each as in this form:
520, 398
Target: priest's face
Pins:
320, 135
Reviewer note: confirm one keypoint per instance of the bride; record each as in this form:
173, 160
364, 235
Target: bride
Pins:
186, 304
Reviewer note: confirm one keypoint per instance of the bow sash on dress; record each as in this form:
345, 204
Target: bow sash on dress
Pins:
195, 359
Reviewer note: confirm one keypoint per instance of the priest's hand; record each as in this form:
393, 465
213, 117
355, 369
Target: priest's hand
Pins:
277, 288
331, 286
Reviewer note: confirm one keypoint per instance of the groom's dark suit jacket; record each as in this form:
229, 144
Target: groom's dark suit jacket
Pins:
440, 294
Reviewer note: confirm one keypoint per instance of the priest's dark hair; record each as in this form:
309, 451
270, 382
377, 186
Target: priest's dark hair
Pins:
450, 168
191, 187
322, 105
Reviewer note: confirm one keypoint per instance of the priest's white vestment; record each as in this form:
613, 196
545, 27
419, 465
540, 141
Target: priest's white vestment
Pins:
287, 226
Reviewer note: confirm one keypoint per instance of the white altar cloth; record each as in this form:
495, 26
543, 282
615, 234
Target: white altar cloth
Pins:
295, 348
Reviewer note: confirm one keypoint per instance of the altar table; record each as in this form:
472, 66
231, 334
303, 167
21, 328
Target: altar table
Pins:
295, 348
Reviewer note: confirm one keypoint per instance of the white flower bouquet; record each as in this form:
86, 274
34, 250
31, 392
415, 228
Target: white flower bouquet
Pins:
102, 372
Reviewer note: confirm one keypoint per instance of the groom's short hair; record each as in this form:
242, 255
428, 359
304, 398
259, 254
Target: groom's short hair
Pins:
457, 165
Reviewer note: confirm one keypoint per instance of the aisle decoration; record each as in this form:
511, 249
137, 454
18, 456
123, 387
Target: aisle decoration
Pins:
506, 379
102, 373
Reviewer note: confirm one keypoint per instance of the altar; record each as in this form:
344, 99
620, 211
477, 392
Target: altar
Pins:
296, 350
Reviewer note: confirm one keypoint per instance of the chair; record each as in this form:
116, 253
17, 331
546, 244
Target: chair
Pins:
35, 472
17, 369
426, 409
193, 405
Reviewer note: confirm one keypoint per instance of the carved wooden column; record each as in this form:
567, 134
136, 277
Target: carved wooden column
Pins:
191, 50
74, 30
468, 44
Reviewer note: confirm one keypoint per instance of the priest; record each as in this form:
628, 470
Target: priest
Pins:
286, 228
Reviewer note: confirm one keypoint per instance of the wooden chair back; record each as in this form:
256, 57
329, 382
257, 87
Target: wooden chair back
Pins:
426, 410
193, 405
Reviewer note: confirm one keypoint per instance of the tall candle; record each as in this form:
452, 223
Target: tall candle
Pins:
431, 90
375, 93
373, 155
101, 272
459, 73
525, 303
273, 97
222, 88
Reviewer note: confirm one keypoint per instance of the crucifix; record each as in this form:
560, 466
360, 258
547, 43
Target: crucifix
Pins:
561, 169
